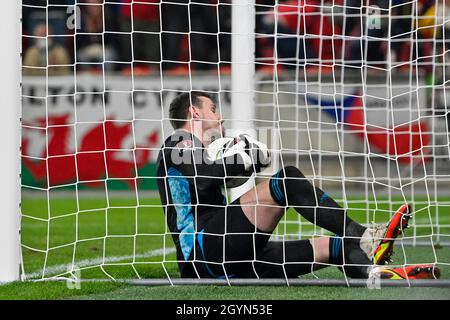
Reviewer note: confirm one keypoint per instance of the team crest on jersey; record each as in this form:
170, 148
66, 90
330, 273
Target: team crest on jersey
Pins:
185, 144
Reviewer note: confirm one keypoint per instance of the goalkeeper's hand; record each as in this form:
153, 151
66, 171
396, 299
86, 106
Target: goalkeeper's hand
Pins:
257, 151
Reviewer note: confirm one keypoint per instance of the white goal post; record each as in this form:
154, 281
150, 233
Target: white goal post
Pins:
10, 64
243, 75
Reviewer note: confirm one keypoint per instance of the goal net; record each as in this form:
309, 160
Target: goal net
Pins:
354, 93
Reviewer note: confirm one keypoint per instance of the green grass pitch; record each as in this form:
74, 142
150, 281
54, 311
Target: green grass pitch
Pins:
120, 238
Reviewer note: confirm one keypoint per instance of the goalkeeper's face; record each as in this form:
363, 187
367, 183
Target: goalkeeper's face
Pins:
210, 116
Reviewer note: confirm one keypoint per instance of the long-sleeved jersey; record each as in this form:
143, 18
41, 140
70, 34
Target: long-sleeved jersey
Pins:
190, 187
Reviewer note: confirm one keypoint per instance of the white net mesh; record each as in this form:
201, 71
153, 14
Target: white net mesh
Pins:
354, 94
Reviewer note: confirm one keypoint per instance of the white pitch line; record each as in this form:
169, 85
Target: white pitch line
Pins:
62, 268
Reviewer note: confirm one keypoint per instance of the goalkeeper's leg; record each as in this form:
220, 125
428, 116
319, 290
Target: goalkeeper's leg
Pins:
290, 259
290, 188
265, 205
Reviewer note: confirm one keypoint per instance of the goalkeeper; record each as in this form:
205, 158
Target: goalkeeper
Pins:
217, 239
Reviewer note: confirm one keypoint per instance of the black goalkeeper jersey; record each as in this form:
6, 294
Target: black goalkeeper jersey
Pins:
190, 187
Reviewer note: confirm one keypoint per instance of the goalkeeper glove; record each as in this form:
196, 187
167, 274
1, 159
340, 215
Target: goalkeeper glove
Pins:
257, 151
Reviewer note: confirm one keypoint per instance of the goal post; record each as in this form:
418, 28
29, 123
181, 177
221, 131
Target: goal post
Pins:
10, 62
243, 64
242, 75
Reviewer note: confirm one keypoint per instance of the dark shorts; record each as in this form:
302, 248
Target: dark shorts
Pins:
226, 245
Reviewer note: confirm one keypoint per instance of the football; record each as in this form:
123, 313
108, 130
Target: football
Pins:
229, 146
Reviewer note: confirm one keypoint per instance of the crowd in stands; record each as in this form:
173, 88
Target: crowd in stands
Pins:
179, 35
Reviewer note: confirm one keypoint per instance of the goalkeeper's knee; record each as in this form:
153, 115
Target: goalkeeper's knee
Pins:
288, 184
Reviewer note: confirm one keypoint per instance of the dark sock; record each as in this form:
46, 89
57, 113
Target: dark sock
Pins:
335, 250
356, 263
349, 257
289, 187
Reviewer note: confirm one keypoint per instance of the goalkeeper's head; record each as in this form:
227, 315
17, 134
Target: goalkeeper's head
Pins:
196, 112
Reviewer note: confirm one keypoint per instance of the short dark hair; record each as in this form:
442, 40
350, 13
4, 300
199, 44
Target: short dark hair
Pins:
179, 107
